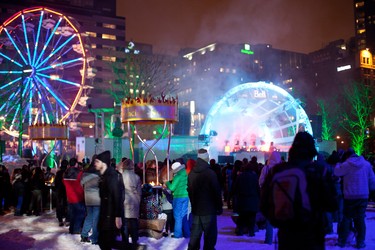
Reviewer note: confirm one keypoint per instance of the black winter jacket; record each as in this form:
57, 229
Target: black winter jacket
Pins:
111, 191
204, 190
246, 189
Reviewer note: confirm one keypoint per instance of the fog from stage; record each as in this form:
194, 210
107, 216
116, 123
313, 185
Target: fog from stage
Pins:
250, 116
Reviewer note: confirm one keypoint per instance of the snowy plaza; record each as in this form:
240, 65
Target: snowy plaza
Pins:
42, 233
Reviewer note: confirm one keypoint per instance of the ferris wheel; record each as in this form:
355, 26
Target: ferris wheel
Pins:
44, 68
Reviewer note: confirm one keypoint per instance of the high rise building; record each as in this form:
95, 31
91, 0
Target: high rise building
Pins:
364, 16
208, 73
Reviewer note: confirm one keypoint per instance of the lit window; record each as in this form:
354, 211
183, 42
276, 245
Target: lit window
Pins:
234, 71
109, 26
361, 31
360, 4
92, 34
109, 37
93, 46
221, 69
109, 58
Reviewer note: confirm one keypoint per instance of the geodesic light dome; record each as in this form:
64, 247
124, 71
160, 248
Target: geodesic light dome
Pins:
254, 113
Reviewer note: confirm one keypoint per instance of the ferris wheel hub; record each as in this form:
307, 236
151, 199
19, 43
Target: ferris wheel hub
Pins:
29, 71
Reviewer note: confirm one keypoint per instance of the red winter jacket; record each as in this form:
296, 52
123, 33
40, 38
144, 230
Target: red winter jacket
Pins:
72, 182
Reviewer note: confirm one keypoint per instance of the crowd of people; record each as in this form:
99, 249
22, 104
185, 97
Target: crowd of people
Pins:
99, 199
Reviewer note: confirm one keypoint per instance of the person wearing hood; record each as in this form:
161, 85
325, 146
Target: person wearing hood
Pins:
206, 203
275, 158
133, 193
180, 200
306, 230
111, 188
246, 189
90, 183
358, 178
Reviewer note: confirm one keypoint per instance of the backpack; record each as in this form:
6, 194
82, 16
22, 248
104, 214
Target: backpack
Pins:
284, 196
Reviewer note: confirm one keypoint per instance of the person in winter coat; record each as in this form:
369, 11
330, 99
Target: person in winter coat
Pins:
37, 186
90, 183
5, 188
275, 158
133, 193
358, 177
307, 229
61, 199
111, 192
206, 203
19, 190
180, 200
75, 195
246, 189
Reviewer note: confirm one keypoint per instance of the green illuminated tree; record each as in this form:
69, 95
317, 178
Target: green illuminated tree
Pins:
357, 119
327, 121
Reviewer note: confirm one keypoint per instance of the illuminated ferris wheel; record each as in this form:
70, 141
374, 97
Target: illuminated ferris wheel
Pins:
43, 68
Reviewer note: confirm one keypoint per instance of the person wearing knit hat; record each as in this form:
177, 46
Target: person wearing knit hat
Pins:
203, 154
178, 186
133, 192
111, 191
177, 167
104, 157
206, 203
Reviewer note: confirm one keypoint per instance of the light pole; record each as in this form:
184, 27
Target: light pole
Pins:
2, 143
20, 125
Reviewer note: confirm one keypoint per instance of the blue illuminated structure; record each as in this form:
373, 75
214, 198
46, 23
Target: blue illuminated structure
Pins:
43, 67
252, 115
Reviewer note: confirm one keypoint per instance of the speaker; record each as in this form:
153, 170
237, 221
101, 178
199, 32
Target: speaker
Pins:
224, 159
316, 125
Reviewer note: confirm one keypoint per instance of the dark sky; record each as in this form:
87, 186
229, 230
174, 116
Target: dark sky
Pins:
297, 25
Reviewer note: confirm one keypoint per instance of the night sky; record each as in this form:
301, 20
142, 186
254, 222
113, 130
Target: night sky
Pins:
302, 26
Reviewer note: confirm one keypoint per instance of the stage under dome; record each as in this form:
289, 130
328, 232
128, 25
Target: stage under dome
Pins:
252, 117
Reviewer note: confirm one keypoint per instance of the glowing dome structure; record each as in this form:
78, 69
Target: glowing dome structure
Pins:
250, 117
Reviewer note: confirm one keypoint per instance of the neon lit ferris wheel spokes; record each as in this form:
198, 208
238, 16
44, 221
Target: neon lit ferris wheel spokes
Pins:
43, 64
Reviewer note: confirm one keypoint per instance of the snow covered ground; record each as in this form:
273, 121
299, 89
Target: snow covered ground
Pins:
21, 233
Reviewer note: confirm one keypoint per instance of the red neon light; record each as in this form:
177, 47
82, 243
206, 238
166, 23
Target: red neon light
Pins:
12, 18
